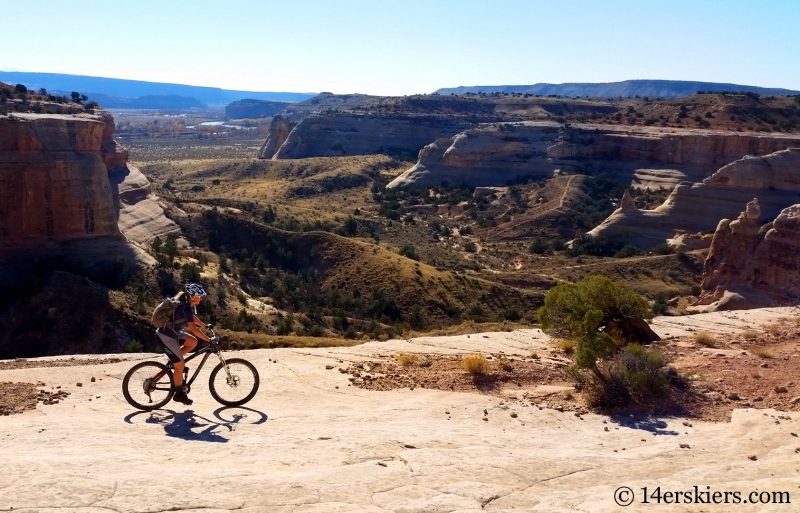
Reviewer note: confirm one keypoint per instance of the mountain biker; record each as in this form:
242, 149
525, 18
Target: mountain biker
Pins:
176, 341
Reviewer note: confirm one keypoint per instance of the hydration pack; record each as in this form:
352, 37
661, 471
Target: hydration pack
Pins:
164, 312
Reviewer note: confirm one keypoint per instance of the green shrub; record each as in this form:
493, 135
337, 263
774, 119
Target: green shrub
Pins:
511, 314
409, 251
588, 245
612, 373
538, 246
134, 346
285, 325
627, 251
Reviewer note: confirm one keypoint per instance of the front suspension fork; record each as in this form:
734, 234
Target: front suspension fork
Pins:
225, 366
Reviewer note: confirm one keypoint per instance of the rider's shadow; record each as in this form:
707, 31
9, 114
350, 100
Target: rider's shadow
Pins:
188, 425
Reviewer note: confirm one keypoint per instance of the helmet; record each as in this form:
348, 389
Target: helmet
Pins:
194, 289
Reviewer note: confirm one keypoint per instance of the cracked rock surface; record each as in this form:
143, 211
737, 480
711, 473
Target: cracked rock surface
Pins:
302, 445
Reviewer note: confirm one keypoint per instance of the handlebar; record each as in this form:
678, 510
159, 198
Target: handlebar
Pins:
214, 339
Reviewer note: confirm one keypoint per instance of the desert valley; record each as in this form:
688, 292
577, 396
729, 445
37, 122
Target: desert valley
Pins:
546, 298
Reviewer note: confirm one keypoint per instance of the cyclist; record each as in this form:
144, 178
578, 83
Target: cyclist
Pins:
177, 341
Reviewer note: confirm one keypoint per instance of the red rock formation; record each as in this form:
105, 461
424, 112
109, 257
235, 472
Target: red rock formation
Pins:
55, 187
760, 266
691, 208
53, 182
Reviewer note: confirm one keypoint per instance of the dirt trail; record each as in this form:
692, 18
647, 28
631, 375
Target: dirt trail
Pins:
535, 213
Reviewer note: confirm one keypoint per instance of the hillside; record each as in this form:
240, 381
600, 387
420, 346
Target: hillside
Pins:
331, 273
624, 89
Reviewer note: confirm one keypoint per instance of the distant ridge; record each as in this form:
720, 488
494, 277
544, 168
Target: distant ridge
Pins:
121, 93
626, 89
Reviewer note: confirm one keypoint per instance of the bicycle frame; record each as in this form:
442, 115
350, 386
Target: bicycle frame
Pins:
206, 351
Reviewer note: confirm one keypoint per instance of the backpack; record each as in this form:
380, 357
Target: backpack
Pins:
164, 312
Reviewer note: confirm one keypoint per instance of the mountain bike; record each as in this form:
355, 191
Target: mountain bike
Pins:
233, 382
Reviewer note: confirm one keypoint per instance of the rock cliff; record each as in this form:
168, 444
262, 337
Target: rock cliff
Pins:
351, 134
53, 180
774, 179
495, 153
749, 266
55, 192
279, 129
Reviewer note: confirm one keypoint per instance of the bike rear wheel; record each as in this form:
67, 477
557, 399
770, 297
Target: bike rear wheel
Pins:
148, 386
237, 389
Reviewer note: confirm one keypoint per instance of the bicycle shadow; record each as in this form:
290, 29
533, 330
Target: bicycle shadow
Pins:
188, 425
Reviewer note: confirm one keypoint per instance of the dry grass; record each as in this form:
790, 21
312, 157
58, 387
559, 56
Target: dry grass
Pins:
407, 360
750, 334
775, 330
475, 364
566, 345
761, 352
240, 340
705, 339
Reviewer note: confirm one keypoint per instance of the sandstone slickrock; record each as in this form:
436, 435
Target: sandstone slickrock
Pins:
351, 134
749, 265
302, 445
774, 179
494, 153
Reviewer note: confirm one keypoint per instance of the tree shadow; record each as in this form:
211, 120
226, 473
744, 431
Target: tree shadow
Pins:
645, 423
188, 425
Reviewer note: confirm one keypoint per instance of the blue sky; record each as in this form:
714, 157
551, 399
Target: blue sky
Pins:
405, 47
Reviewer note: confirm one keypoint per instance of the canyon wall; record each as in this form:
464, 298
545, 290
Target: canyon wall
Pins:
773, 179
349, 134
66, 190
750, 265
494, 153
53, 180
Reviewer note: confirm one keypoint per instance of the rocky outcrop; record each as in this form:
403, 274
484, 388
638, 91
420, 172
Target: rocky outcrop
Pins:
692, 208
140, 216
351, 134
495, 153
66, 189
750, 265
53, 180
140, 213
485, 156
279, 129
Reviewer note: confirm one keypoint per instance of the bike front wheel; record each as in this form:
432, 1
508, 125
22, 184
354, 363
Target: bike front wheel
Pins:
148, 386
236, 388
